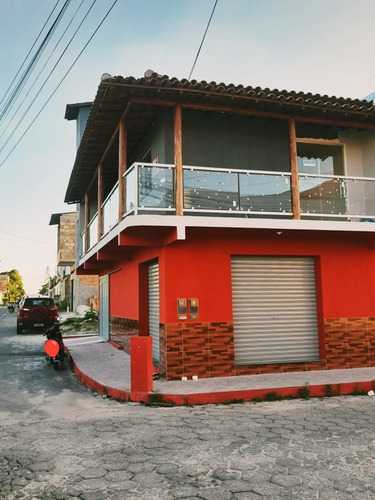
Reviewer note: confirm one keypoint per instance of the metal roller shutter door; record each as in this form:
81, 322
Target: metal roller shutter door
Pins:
274, 310
153, 309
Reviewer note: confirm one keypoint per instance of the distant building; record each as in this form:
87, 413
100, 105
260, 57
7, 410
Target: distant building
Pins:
67, 286
4, 284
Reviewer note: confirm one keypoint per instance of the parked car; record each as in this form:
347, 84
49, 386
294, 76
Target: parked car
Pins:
36, 311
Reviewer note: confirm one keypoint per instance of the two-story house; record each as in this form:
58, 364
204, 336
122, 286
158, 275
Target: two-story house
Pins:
234, 225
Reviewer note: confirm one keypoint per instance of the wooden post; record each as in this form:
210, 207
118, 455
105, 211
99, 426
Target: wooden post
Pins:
294, 169
122, 161
100, 201
179, 175
87, 220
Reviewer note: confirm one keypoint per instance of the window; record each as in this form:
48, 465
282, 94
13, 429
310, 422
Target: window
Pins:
321, 192
326, 159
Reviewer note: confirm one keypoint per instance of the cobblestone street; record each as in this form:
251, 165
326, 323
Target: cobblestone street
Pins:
294, 449
58, 440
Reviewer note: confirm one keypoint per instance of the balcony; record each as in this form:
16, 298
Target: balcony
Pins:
149, 189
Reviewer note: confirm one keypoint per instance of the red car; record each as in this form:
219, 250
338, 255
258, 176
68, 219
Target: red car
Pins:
36, 311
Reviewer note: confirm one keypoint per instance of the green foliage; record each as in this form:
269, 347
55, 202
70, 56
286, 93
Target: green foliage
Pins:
79, 324
15, 284
328, 391
63, 305
304, 392
73, 321
155, 397
44, 290
272, 396
91, 314
233, 401
358, 391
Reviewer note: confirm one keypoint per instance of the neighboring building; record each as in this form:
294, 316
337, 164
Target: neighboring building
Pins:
232, 224
75, 290
4, 285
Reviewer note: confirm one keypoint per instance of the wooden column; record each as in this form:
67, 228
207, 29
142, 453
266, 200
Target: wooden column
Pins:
122, 161
294, 169
87, 220
179, 176
100, 201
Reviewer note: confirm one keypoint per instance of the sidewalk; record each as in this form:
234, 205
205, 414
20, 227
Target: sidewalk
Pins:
105, 369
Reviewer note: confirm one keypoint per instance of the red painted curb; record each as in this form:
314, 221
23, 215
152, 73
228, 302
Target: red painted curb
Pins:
96, 386
116, 346
270, 394
247, 395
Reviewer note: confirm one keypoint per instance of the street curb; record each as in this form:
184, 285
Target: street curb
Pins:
247, 395
94, 385
269, 394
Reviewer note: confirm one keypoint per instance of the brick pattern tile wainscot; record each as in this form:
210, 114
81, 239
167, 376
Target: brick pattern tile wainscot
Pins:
122, 330
202, 349
350, 342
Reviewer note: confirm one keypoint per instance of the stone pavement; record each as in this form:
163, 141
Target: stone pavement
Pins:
59, 441
102, 367
284, 450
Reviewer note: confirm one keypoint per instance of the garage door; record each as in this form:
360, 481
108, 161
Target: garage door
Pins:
153, 309
274, 310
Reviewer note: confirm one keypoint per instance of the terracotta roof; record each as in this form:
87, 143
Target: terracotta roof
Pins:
212, 89
148, 95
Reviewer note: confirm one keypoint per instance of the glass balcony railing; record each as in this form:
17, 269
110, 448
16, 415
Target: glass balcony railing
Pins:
110, 209
257, 193
149, 188
338, 197
238, 192
93, 231
81, 244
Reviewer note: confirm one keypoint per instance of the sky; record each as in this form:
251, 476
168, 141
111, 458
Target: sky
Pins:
318, 46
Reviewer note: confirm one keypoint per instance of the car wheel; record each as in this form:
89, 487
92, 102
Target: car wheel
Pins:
19, 329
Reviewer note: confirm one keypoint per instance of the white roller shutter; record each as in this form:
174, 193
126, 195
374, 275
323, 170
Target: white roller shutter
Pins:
274, 310
153, 309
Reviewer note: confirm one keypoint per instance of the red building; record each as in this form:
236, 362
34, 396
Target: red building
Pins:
232, 224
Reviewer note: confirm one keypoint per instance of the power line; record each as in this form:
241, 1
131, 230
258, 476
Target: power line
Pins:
60, 83
40, 72
46, 80
26, 74
37, 38
204, 36
23, 237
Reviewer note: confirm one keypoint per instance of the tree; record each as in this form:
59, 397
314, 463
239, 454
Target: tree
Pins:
15, 284
44, 290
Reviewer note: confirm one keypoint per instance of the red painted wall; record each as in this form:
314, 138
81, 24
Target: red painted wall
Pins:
200, 268
124, 285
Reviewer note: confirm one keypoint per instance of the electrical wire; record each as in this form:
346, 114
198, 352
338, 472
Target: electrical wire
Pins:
26, 74
204, 36
20, 68
41, 71
45, 81
21, 237
60, 83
